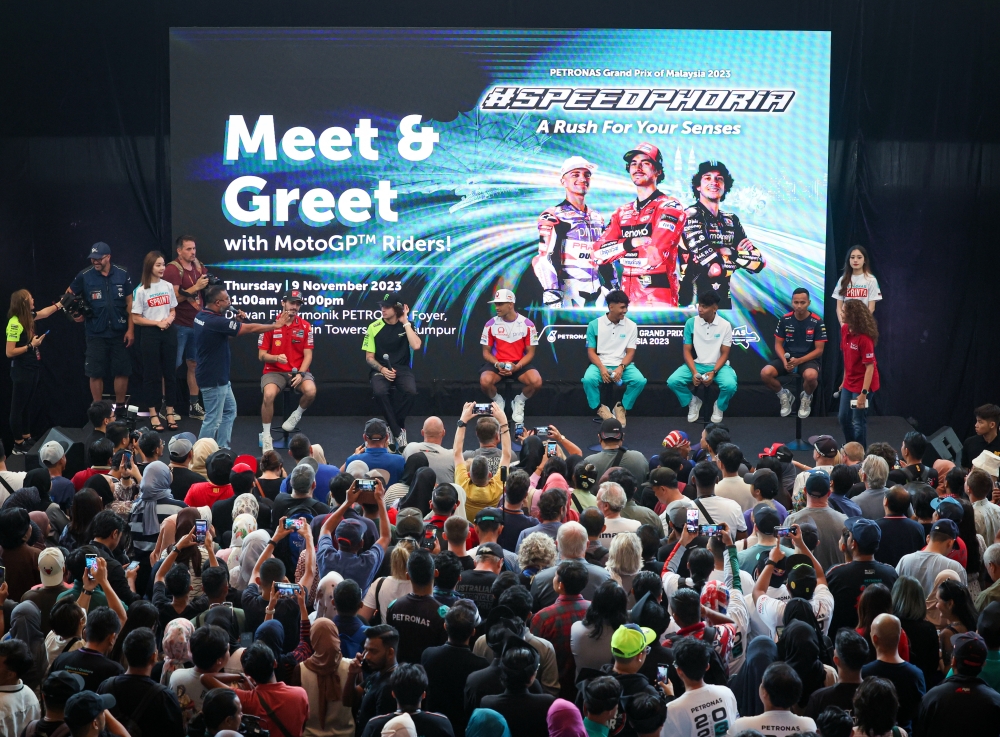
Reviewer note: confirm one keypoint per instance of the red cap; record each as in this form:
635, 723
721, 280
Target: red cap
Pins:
242, 468
247, 459
646, 148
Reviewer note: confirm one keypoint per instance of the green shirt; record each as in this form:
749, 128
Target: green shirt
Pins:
750, 557
594, 729
991, 670
96, 599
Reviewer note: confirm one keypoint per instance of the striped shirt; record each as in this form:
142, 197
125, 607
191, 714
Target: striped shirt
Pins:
164, 508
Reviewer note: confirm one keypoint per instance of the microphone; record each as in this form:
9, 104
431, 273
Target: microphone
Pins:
795, 369
388, 363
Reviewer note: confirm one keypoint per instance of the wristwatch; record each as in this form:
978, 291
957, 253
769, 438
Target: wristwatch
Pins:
770, 562
865, 392
462, 424
172, 549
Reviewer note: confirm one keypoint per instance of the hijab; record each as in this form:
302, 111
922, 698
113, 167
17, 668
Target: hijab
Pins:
933, 615
25, 498
241, 569
413, 464
564, 720
487, 723
421, 490
41, 480
26, 626
41, 521
799, 647
243, 525
272, 634
223, 616
246, 504
532, 454
761, 652
155, 487
200, 452
324, 595
176, 646
325, 662
102, 485
801, 610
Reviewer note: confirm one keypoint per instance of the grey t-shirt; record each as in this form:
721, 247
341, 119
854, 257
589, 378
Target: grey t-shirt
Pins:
439, 458
633, 461
924, 566
830, 525
870, 501
492, 456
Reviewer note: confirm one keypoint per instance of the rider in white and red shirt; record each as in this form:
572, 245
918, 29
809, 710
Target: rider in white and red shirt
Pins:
509, 341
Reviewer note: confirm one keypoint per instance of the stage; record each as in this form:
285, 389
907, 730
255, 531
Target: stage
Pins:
339, 436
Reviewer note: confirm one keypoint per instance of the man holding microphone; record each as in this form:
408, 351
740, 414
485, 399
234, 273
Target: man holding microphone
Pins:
611, 342
287, 355
213, 329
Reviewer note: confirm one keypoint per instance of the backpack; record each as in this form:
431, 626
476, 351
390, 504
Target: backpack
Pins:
717, 674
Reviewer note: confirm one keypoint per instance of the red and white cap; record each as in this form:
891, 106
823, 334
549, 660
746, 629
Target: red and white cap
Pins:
503, 296
51, 565
645, 148
576, 162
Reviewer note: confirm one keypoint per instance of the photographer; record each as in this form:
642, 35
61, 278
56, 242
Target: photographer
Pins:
213, 330
25, 357
106, 291
153, 310
189, 278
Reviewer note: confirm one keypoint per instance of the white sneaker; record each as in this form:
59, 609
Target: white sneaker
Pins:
401, 438
604, 413
292, 422
694, 409
517, 410
620, 413
266, 443
805, 405
786, 398
716, 413
499, 401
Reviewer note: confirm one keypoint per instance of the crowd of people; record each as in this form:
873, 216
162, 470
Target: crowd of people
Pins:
174, 588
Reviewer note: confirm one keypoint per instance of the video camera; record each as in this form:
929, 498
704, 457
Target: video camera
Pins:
74, 306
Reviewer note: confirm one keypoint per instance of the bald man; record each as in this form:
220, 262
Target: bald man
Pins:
908, 679
440, 458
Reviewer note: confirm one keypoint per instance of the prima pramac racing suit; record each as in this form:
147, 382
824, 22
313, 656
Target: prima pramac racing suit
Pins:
714, 247
564, 265
648, 276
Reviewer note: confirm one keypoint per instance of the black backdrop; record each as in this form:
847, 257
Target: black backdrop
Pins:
84, 141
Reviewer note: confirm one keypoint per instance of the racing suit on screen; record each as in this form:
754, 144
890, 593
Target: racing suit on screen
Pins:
648, 271
713, 248
564, 265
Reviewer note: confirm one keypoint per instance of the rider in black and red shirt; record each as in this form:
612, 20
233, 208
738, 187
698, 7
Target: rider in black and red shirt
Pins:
801, 336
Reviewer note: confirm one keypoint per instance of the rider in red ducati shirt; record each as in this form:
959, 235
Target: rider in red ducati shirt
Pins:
644, 234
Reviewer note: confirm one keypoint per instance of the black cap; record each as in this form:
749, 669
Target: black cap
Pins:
489, 514
391, 299
763, 479
61, 684
490, 549
766, 518
663, 476
706, 166
293, 295
85, 707
802, 580
376, 429
611, 428
825, 445
818, 484
219, 465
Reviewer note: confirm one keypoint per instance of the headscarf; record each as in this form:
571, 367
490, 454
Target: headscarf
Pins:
272, 634
487, 723
41, 480
243, 525
799, 647
933, 614
532, 454
155, 487
421, 490
222, 616
176, 647
564, 720
102, 485
410, 467
940, 465
200, 452
253, 546
325, 662
26, 498
246, 504
191, 557
324, 595
801, 610
26, 626
745, 685
41, 520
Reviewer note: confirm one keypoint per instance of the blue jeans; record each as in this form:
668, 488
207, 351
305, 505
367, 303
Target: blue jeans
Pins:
185, 345
220, 413
854, 422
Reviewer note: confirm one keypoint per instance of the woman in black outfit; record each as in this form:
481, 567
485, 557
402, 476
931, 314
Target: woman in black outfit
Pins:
909, 605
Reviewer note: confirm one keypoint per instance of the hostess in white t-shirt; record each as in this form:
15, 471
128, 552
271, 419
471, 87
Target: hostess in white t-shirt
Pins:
155, 302
863, 287
709, 710
774, 723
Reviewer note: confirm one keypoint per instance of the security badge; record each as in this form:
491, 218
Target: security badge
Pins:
95, 295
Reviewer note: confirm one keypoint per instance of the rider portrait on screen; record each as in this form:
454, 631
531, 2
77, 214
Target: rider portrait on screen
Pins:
643, 235
714, 245
566, 236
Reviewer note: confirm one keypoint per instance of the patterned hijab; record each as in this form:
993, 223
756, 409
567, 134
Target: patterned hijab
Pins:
176, 647
246, 504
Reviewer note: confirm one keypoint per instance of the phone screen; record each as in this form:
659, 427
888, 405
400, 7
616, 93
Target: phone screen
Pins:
3, 574
541, 431
287, 590
91, 561
662, 670
366, 484
692, 519
482, 408
200, 529
133, 565
710, 530
550, 448
782, 531
294, 524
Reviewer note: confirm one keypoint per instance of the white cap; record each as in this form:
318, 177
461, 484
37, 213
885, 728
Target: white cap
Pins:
51, 565
51, 453
400, 726
987, 461
357, 469
503, 296
576, 162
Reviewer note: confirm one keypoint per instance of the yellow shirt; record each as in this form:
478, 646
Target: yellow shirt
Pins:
478, 497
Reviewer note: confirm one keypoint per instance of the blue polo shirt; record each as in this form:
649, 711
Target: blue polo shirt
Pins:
107, 297
212, 332
324, 475
381, 458
359, 567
